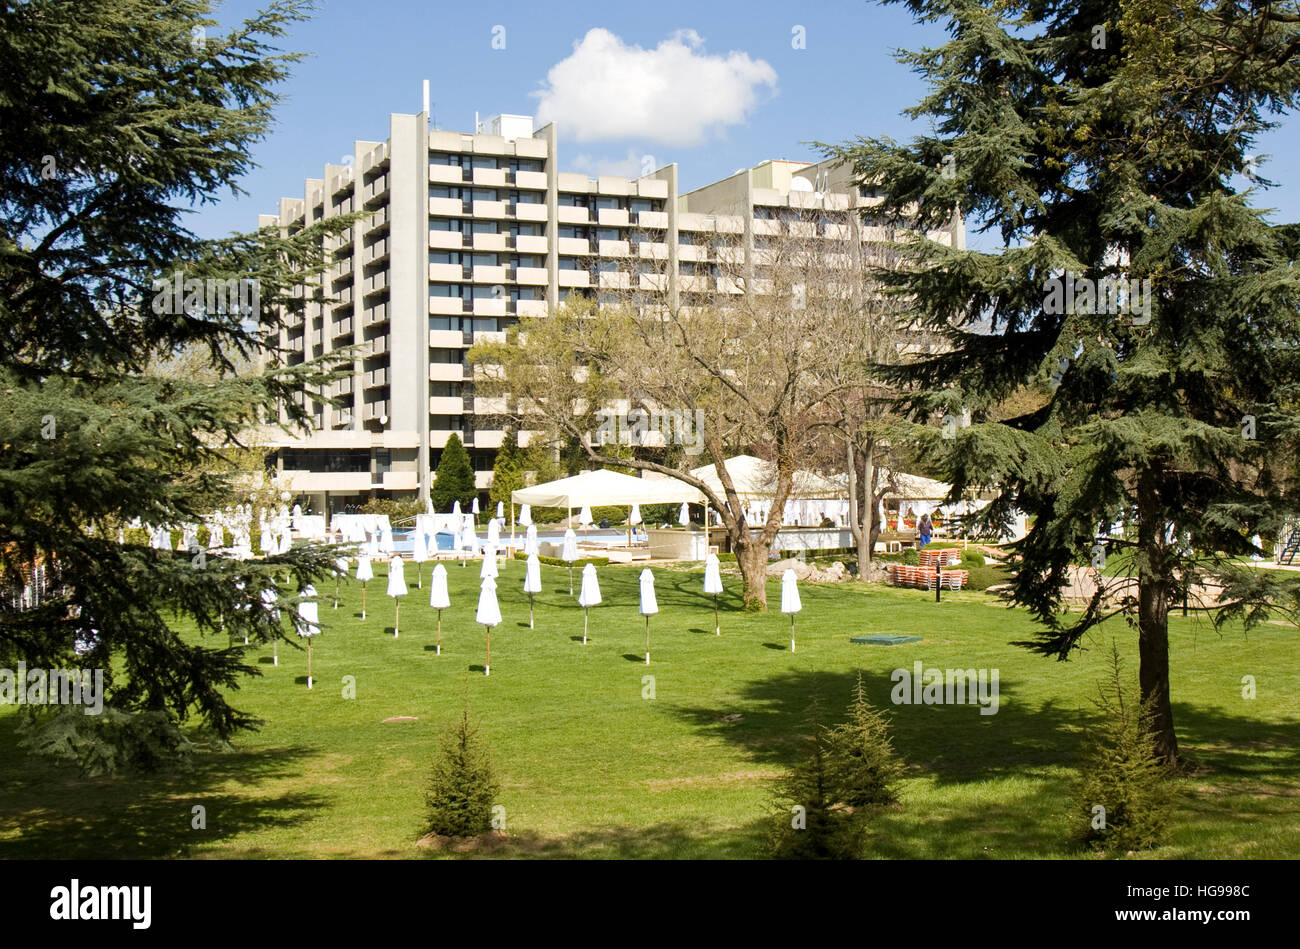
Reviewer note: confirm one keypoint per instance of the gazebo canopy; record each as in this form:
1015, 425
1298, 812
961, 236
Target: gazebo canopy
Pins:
756, 479
605, 487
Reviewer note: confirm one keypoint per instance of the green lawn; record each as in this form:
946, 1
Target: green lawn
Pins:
590, 768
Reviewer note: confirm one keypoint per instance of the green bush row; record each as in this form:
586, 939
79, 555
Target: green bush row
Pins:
557, 562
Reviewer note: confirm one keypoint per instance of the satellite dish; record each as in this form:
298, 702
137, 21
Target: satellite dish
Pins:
799, 183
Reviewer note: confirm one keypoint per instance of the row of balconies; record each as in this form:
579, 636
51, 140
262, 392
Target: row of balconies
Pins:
485, 306
456, 273
494, 210
575, 183
487, 177
456, 405
455, 240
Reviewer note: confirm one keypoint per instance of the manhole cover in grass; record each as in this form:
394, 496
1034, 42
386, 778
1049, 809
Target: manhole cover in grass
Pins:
884, 639
400, 718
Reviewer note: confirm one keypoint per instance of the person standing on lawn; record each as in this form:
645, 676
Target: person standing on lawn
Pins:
925, 527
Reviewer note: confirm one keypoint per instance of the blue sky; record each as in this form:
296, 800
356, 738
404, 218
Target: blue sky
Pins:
724, 85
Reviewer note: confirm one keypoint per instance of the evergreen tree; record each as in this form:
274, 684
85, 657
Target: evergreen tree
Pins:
115, 118
810, 820
1102, 142
461, 787
508, 469
863, 765
454, 478
1124, 795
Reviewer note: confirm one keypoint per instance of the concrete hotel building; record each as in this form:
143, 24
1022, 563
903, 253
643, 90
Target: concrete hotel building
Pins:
466, 233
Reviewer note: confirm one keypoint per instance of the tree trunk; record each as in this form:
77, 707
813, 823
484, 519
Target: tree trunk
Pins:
751, 557
1153, 618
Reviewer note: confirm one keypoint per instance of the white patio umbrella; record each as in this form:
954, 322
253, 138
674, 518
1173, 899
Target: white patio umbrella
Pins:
468, 540
473, 508
525, 515
489, 568
268, 604
649, 606
455, 508
489, 614
308, 622
396, 588
588, 596
439, 598
713, 584
633, 518
684, 516
494, 532
365, 574
569, 553
419, 553
386, 540
530, 540
584, 516
340, 571
286, 541
501, 511
790, 600
532, 583
373, 543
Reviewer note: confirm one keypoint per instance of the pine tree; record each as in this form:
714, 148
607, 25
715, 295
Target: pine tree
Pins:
508, 469
1124, 794
454, 478
461, 788
810, 820
115, 119
1101, 141
863, 766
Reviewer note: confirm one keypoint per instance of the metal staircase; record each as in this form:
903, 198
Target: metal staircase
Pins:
1291, 549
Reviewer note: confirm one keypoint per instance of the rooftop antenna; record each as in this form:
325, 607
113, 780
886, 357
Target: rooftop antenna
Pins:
426, 97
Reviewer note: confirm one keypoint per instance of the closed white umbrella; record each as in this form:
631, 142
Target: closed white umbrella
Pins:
373, 543
526, 515
365, 574
308, 622
489, 614
468, 540
713, 584
684, 516
588, 596
396, 587
439, 599
501, 511
268, 604
386, 540
340, 571
473, 507
494, 532
584, 516
790, 600
455, 508
635, 516
286, 541
569, 553
489, 568
419, 553
530, 540
532, 583
649, 606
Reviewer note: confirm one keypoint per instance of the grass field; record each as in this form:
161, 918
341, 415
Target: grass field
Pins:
591, 768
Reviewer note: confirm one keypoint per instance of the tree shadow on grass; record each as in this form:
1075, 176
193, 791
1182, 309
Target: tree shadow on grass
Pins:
954, 742
663, 841
59, 814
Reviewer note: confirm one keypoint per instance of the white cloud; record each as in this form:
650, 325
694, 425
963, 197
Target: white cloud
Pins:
675, 94
634, 165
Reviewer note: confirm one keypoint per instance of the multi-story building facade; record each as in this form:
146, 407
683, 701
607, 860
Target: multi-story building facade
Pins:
466, 233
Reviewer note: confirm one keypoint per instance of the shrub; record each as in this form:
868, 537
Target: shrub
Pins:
862, 759
972, 558
616, 515
461, 786
203, 535
557, 562
454, 477
396, 510
911, 556
107, 743
1124, 794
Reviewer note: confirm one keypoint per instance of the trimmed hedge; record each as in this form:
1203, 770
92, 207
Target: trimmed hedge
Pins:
557, 562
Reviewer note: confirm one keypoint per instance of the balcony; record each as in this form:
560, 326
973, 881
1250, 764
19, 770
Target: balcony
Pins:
446, 306
377, 220
446, 372
530, 180
374, 158
573, 246
374, 410
446, 207
446, 405
652, 250
530, 308
652, 188
374, 314
446, 175
343, 295
375, 378
446, 273
490, 242
445, 339
615, 280
574, 278
489, 307
378, 345
571, 215
531, 276
490, 177
611, 217
342, 328
376, 251
490, 209
376, 283
657, 219
489, 274
614, 248
377, 190
531, 212
530, 244
446, 240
